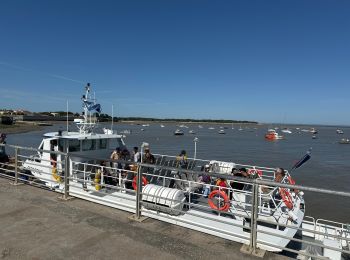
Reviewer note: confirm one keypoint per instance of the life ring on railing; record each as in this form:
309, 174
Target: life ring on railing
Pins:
259, 173
224, 199
134, 182
286, 197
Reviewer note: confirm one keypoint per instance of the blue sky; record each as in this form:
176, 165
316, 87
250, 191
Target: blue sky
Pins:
268, 61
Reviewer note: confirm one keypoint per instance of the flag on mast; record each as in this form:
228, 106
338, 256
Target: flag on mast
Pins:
303, 160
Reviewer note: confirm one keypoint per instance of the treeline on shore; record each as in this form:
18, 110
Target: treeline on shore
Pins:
105, 117
60, 115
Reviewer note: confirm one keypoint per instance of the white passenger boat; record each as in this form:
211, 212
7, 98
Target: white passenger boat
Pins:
173, 191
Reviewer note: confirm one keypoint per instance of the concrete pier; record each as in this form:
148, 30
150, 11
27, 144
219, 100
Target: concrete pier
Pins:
34, 224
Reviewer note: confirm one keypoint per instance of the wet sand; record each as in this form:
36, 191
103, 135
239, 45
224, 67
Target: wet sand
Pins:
25, 127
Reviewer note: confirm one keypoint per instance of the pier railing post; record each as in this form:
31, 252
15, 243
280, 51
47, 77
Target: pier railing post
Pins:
138, 192
254, 219
16, 166
66, 177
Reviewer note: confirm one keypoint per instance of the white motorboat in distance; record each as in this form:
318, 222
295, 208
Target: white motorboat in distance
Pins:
286, 131
344, 141
179, 132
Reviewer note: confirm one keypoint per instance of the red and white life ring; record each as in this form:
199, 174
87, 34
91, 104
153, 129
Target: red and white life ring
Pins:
286, 197
224, 202
134, 182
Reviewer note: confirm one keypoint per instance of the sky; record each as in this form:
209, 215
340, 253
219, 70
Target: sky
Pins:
266, 61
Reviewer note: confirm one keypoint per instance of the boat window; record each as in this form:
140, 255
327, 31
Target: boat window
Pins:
74, 145
89, 144
60, 145
103, 143
116, 143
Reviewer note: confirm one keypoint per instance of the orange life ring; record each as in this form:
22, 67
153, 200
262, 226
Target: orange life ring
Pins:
224, 198
255, 171
134, 182
286, 197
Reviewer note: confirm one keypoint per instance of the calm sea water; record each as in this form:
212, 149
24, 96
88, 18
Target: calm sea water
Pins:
329, 166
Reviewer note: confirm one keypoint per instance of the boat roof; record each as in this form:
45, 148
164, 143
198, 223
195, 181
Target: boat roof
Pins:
80, 136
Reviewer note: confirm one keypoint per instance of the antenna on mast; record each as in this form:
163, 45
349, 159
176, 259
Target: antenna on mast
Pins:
67, 117
112, 119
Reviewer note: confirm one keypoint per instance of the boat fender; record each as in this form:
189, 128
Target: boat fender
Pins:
286, 197
223, 200
255, 172
97, 180
134, 182
55, 176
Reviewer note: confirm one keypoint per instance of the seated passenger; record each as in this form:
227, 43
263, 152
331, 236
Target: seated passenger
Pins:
136, 155
148, 157
205, 179
222, 185
279, 175
129, 176
116, 155
125, 155
241, 173
182, 160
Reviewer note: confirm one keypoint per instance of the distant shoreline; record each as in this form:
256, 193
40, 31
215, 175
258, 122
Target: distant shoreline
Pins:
25, 127
185, 122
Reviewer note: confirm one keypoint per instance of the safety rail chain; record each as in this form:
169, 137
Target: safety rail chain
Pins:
341, 234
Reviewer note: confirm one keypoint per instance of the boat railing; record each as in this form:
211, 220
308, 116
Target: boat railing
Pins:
248, 215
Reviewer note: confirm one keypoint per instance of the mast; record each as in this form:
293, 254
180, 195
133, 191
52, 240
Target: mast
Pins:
88, 104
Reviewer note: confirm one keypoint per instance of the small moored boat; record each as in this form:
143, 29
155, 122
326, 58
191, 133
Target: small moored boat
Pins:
339, 131
313, 131
286, 131
179, 132
273, 135
344, 141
